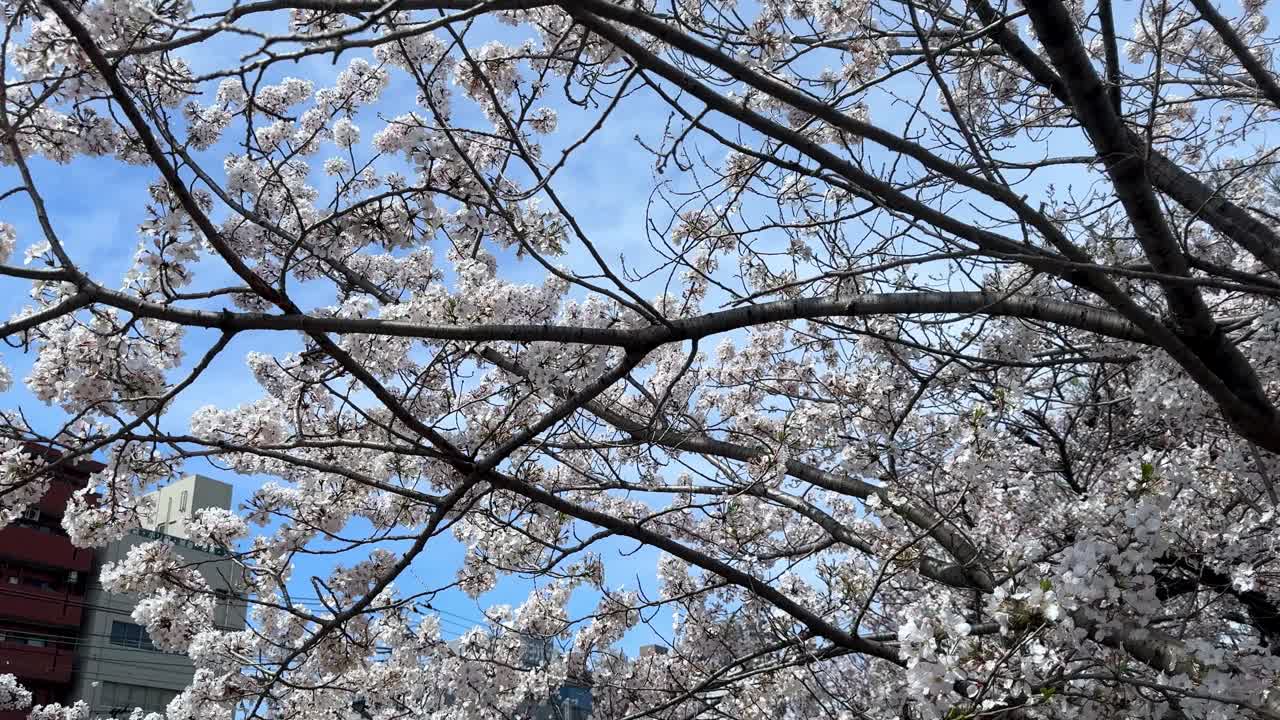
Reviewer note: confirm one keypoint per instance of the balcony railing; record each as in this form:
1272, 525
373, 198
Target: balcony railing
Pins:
41, 607
39, 664
39, 547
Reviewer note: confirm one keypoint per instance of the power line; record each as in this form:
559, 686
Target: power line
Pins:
80, 657
66, 600
76, 640
70, 642
311, 601
314, 604
306, 599
76, 656
79, 638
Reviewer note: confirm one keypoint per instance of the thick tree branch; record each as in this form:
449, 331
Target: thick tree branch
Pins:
1264, 78
1164, 174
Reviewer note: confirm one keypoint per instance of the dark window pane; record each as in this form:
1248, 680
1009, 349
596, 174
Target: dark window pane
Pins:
118, 631
130, 635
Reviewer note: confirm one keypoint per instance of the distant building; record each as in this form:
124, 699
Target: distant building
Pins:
709, 698
572, 700
119, 669
63, 636
651, 650
176, 504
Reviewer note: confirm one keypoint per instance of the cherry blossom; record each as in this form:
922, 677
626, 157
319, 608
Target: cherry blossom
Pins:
12, 695
875, 360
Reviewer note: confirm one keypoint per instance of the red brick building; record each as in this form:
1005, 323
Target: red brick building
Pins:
42, 592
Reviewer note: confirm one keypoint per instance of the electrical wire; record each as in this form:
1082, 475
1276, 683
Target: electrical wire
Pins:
33, 595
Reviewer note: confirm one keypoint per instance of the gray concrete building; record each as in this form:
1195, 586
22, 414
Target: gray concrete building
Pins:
118, 669
176, 503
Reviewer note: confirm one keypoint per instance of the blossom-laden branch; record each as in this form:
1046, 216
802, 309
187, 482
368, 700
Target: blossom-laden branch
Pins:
931, 351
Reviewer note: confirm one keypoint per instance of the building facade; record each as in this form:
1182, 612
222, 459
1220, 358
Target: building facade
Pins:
118, 668
176, 503
571, 701
43, 591
64, 636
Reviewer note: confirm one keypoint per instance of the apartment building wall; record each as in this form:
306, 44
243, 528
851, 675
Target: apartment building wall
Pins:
62, 634
42, 590
119, 669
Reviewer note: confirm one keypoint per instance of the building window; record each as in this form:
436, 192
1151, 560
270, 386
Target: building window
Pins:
537, 651
575, 702
18, 637
40, 583
182, 503
130, 635
124, 698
